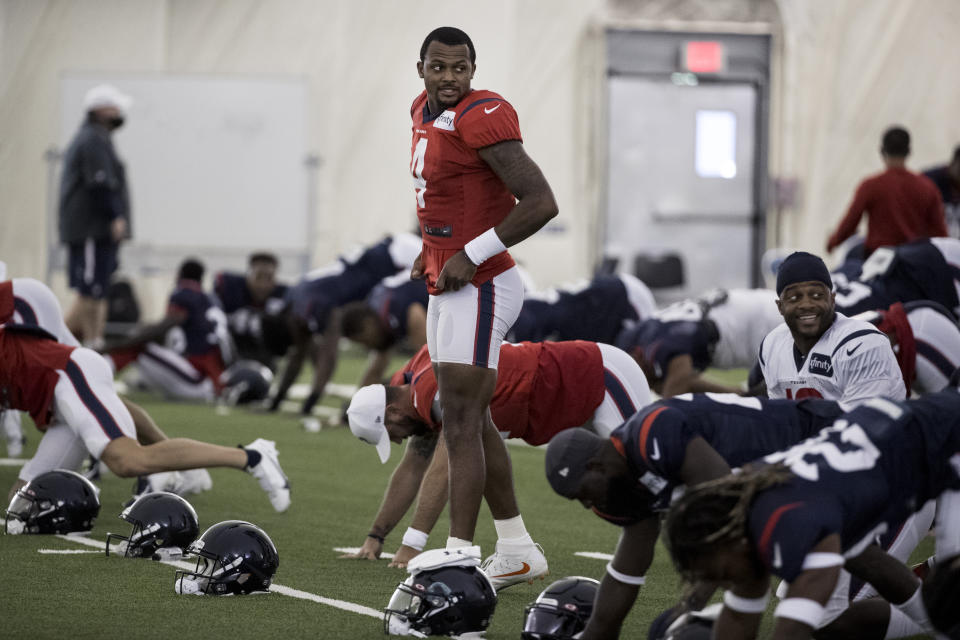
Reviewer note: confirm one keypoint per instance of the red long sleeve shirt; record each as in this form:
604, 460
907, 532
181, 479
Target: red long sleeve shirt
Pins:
900, 205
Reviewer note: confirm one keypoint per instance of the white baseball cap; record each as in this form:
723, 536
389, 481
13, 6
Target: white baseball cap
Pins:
366, 414
107, 95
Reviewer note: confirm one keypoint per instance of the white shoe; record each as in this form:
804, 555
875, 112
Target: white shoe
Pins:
171, 481
195, 481
512, 564
269, 474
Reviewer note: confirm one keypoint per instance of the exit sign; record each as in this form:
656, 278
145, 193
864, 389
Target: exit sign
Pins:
704, 56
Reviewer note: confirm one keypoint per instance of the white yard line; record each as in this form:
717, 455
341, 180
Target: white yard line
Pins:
275, 588
12, 462
66, 551
388, 556
594, 555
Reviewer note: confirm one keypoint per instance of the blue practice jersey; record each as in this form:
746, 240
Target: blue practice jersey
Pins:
654, 441
392, 302
597, 313
234, 295
658, 342
912, 271
350, 279
204, 328
858, 478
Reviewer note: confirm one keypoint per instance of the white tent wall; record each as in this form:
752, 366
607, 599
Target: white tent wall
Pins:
849, 70
843, 70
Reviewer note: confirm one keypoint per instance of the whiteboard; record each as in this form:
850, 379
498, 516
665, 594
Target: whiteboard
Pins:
212, 160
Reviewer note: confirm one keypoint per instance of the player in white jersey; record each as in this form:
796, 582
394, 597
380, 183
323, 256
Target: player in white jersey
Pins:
820, 353
743, 318
721, 328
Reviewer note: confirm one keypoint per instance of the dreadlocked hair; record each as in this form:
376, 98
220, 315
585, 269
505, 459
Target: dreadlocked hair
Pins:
713, 515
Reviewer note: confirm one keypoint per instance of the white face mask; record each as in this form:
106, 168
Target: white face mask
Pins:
190, 586
400, 626
15, 527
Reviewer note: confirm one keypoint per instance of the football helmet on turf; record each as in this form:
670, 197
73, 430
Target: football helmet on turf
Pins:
445, 601
234, 557
561, 611
246, 381
58, 501
159, 520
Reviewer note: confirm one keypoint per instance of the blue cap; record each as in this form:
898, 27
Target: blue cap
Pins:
801, 266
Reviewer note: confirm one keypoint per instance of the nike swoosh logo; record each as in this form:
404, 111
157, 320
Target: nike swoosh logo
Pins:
655, 454
519, 572
485, 110
850, 351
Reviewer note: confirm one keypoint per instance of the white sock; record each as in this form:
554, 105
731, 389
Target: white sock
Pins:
901, 626
915, 609
457, 543
510, 528
948, 524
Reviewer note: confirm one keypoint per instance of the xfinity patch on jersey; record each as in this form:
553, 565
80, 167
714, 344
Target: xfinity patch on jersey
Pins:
821, 365
445, 121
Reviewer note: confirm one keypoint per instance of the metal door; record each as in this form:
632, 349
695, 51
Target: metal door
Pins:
681, 178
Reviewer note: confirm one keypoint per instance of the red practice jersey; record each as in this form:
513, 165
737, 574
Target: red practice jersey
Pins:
458, 195
29, 361
542, 388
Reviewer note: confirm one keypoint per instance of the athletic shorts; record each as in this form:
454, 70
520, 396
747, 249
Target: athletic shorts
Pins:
468, 326
625, 390
91, 264
88, 415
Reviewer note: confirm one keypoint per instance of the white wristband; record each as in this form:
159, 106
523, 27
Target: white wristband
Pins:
804, 610
636, 581
820, 560
484, 246
745, 605
414, 538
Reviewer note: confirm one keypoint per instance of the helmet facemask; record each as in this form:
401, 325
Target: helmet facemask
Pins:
27, 514
452, 600
57, 501
544, 620
212, 576
412, 607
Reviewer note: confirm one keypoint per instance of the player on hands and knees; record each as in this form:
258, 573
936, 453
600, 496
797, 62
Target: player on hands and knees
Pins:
720, 329
35, 305
69, 393
630, 478
804, 513
477, 192
542, 389
312, 308
393, 315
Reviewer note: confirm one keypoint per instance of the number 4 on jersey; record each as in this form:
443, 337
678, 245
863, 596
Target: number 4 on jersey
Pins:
416, 168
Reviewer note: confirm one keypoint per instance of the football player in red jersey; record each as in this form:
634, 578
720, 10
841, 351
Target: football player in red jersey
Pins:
69, 393
478, 192
542, 388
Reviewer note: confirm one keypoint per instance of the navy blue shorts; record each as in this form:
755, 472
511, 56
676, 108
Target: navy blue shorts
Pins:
91, 264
